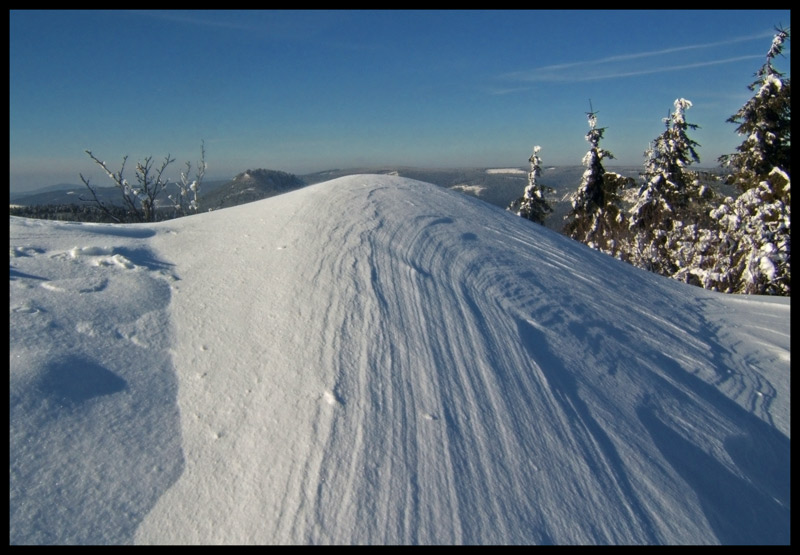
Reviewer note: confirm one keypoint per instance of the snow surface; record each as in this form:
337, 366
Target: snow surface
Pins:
377, 360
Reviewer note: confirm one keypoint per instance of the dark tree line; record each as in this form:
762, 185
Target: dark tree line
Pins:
70, 212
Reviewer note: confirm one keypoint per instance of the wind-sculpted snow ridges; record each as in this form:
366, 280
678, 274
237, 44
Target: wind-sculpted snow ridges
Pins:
129, 392
375, 360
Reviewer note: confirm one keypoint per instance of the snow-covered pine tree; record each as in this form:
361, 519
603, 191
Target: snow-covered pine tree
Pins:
595, 218
749, 251
753, 244
532, 205
670, 195
765, 122
752, 247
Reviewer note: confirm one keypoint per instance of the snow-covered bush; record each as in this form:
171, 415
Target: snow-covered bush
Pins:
139, 200
187, 198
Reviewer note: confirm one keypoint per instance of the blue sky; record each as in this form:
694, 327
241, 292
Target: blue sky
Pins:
303, 91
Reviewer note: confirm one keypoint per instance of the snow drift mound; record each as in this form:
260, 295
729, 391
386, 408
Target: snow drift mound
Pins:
378, 360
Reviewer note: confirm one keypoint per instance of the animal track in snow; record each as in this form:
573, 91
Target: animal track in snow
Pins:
98, 256
27, 308
331, 398
77, 285
16, 252
86, 328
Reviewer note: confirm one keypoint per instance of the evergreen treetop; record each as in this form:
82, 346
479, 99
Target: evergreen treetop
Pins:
765, 122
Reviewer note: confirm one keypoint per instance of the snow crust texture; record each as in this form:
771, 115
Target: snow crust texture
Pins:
376, 360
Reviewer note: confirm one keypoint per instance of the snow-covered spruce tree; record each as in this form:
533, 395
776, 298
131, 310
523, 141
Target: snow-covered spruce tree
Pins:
750, 251
670, 196
765, 122
752, 247
595, 218
532, 205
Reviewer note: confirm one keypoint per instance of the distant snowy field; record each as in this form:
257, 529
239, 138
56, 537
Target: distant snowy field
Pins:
507, 170
476, 190
377, 360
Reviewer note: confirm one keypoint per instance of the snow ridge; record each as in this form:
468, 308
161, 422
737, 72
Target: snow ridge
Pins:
376, 360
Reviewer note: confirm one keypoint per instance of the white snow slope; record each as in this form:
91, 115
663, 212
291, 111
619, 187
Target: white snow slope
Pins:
377, 360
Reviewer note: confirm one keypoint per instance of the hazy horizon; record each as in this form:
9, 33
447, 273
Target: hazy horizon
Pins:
304, 91
102, 181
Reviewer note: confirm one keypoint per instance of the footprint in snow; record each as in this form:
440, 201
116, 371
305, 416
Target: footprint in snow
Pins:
77, 285
27, 308
331, 398
16, 252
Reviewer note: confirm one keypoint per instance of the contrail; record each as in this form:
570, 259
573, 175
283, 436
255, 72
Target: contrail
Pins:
548, 73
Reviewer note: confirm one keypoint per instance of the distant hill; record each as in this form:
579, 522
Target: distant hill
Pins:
73, 194
58, 194
249, 186
13, 195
